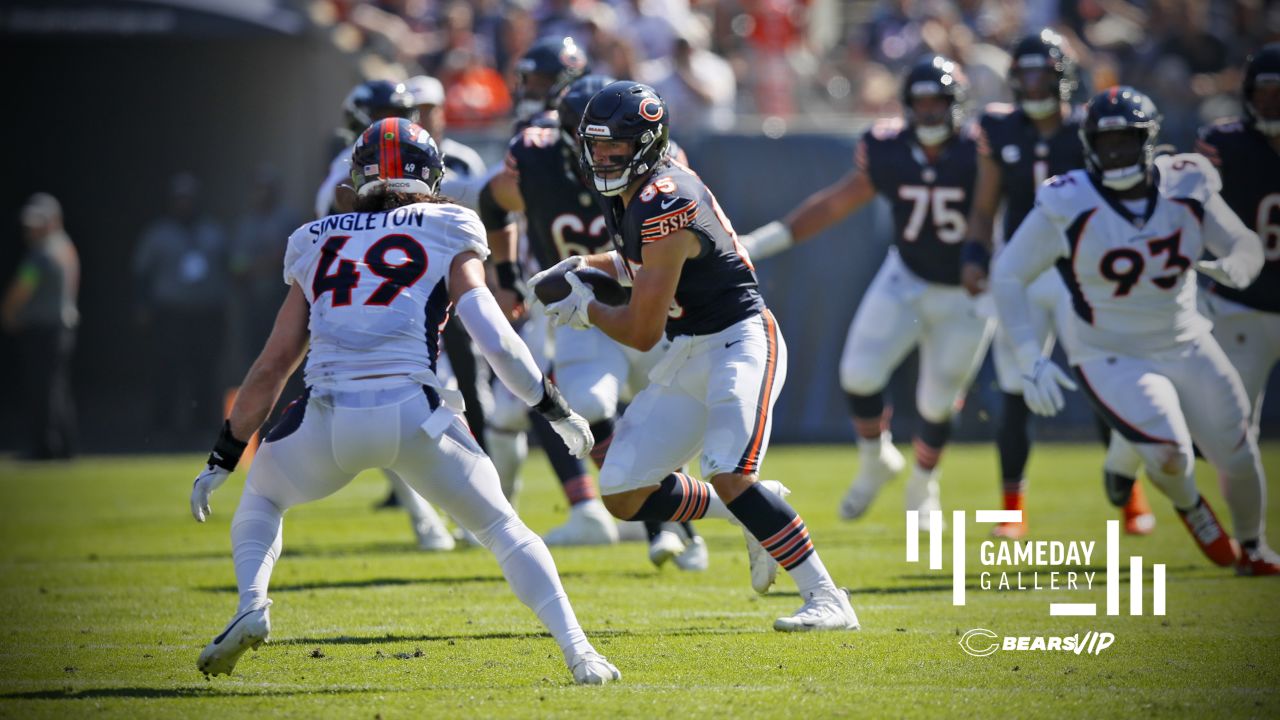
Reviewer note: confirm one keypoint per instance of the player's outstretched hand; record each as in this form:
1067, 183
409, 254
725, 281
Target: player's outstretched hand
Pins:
567, 265
572, 310
1042, 387
576, 433
210, 479
1224, 272
974, 278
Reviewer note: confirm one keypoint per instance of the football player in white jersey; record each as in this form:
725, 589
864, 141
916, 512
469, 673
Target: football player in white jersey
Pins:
1125, 233
370, 293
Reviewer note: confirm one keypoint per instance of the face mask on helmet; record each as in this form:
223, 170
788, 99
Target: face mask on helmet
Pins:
931, 116
1264, 104
613, 164
1036, 87
1121, 157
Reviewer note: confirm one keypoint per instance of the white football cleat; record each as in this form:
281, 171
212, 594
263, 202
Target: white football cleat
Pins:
591, 668
589, 523
695, 557
246, 630
665, 546
433, 536
764, 569
874, 470
922, 496
823, 610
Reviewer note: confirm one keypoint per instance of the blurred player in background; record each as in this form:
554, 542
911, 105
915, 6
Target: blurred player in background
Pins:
1019, 147
1246, 152
543, 180
1124, 234
361, 285
715, 387
924, 165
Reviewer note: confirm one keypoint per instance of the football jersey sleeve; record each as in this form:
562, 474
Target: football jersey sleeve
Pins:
465, 232
1062, 197
1034, 247
297, 254
663, 208
1188, 175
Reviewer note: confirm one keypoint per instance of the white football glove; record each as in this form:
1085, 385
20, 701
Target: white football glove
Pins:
572, 310
1042, 386
573, 262
1225, 272
576, 433
210, 479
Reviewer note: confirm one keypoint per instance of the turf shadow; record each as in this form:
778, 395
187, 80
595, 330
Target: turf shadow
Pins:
153, 693
374, 583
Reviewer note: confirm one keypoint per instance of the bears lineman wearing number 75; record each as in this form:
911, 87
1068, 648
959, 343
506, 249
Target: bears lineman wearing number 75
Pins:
925, 168
1125, 234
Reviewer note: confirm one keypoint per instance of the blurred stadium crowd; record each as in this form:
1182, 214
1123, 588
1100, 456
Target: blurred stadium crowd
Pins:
717, 61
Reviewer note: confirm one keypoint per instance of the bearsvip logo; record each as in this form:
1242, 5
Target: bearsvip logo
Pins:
981, 642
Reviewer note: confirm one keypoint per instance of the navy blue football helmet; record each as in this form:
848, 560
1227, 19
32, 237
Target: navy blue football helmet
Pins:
935, 76
1120, 110
1262, 69
544, 71
573, 103
1040, 61
630, 111
396, 155
374, 100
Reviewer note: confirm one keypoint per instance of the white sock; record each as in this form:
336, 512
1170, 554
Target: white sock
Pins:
869, 448
1122, 458
1244, 483
531, 573
811, 575
256, 531
508, 451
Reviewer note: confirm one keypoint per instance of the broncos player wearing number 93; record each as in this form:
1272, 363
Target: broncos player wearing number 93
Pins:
1124, 234
715, 387
370, 293
924, 165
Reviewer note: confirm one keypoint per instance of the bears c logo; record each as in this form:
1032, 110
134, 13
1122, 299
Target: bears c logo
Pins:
651, 109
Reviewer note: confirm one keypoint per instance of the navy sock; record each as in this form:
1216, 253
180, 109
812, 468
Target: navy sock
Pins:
1013, 441
678, 497
775, 524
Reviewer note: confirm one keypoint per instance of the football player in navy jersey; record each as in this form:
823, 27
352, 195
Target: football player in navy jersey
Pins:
543, 179
1246, 151
1019, 147
923, 164
715, 387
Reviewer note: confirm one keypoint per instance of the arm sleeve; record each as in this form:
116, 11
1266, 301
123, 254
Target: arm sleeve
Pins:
500, 345
1031, 251
1226, 236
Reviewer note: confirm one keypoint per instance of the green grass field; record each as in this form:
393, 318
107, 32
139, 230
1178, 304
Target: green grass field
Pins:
110, 590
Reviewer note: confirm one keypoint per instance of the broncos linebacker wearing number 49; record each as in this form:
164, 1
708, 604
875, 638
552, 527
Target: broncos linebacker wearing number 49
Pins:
715, 387
370, 294
1124, 235
924, 165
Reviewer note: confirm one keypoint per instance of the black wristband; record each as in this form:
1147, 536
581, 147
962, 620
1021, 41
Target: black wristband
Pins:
510, 275
227, 450
552, 405
973, 252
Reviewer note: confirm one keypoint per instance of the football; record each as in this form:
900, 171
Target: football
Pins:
554, 288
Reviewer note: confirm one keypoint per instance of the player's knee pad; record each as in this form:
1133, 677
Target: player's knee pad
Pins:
862, 375
1165, 461
594, 398
505, 536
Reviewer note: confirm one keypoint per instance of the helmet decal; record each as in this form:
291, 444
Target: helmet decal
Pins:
651, 109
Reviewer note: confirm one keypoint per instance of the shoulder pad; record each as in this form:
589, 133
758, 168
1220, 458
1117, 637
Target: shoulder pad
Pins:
1188, 175
886, 129
1065, 196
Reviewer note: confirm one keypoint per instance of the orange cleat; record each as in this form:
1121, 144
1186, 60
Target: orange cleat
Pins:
1010, 530
1213, 540
1260, 560
1138, 518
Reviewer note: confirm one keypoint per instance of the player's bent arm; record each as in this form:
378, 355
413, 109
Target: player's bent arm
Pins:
641, 322
488, 327
986, 201
830, 205
1239, 251
281, 355
1032, 250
